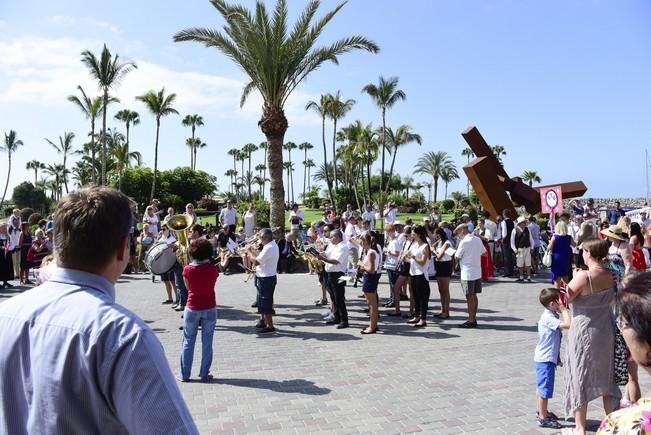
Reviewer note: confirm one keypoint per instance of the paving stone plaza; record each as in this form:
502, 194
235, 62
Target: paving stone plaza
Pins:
312, 378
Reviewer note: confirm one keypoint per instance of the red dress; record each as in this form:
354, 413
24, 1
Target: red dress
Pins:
486, 263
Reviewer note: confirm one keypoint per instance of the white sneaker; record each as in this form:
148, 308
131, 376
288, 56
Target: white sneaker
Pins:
326, 313
329, 317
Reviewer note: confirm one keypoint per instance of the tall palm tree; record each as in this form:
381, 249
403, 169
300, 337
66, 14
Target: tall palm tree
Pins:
159, 105
92, 108
249, 149
322, 108
59, 173
198, 144
190, 143
289, 146
108, 71
305, 147
337, 109
276, 60
469, 153
64, 147
287, 166
36, 166
401, 137
448, 175
81, 173
192, 121
385, 95
531, 177
408, 183
241, 157
129, 117
433, 164
10, 146
499, 151
309, 164
234, 152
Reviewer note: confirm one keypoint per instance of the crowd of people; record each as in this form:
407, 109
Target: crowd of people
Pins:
594, 295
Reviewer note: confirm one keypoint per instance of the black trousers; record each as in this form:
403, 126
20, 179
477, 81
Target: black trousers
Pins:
338, 291
286, 263
420, 287
507, 254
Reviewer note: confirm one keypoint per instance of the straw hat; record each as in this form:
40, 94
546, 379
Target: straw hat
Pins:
521, 219
460, 227
614, 231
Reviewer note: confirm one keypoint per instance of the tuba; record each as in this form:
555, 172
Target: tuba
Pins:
179, 223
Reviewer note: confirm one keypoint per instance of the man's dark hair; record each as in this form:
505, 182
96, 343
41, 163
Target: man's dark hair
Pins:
506, 213
634, 305
486, 214
89, 226
200, 250
549, 295
198, 228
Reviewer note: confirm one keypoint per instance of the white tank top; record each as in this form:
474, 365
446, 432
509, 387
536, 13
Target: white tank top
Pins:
417, 252
378, 261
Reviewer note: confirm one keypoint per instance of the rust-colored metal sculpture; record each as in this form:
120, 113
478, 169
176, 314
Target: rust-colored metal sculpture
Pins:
495, 189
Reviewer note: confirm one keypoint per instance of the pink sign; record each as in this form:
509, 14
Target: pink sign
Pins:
551, 199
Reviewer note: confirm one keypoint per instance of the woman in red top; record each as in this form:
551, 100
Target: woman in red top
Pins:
201, 309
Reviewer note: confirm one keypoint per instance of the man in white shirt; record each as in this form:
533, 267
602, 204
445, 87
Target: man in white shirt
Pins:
348, 213
336, 266
369, 215
465, 218
469, 254
644, 220
390, 213
350, 238
228, 216
491, 231
521, 244
265, 262
14, 234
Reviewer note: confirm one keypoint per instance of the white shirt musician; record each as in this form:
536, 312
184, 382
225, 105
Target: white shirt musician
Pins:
265, 262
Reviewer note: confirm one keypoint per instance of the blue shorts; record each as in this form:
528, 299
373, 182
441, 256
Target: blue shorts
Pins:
266, 287
545, 372
369, 282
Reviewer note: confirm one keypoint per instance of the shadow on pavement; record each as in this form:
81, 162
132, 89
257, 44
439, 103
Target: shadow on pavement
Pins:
300, 386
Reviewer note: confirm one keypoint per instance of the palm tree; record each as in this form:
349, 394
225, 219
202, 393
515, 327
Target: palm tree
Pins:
198, 144
448, 175
234, 152
469, 153
129, 117
190, 143
59, 173
434, 164
309, 164
10, 146
81, 173
401, 137
241, 157
385, 95
192, 121
305, 146
322, 108
159, 105
264, 146
65, 148
91, 107
408, 183
276, 60
108, 71
499, 151
337, 109
35, 165
289, 146
429, 191
531, 177
288, 166
232, 173
249, 149
123, 158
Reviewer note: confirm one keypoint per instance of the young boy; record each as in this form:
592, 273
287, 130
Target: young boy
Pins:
546, 354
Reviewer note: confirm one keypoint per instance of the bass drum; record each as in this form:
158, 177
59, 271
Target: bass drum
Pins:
160, 259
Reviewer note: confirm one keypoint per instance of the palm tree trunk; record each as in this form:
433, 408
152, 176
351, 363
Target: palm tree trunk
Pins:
446, 190
92, 149
2, 201
304, 173
309, 178
393, 161
104, 138
325, 165
194, 161
249, 173
384, 141
436, 187
368, 179
65, 177
361, 179
334, 159
276, 190
193, 151
264, 178
35, 176
153, 183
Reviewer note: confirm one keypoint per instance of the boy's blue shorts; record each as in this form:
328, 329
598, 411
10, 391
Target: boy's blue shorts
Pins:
545, 372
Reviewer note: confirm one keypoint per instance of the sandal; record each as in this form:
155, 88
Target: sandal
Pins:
420, 325
166, 302
368, 331
414, 320
442, 316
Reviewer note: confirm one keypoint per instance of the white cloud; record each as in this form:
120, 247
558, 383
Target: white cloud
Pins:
45, 71
68, 21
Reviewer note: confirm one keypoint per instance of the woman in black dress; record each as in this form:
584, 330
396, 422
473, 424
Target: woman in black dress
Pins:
25, 243
6, 263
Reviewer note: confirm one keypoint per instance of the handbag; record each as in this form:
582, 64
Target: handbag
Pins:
547, 259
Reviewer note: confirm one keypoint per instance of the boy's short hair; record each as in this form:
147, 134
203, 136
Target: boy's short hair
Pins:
549, 295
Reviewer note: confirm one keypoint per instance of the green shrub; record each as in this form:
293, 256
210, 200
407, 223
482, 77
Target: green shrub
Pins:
312, 199
7, 210
261, 210
26, 213
34, 218
446, 206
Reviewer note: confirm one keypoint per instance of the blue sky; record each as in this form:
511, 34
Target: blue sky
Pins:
564, 86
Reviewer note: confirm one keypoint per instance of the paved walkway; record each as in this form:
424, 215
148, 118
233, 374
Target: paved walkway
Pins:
312, 378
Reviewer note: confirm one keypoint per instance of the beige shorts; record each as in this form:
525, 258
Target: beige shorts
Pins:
523, 257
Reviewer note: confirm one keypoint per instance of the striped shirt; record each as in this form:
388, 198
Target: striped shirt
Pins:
73, 361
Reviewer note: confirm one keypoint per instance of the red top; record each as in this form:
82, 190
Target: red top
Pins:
201, 279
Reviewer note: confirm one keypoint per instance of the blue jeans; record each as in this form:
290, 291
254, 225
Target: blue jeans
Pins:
181, 290
191, 321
